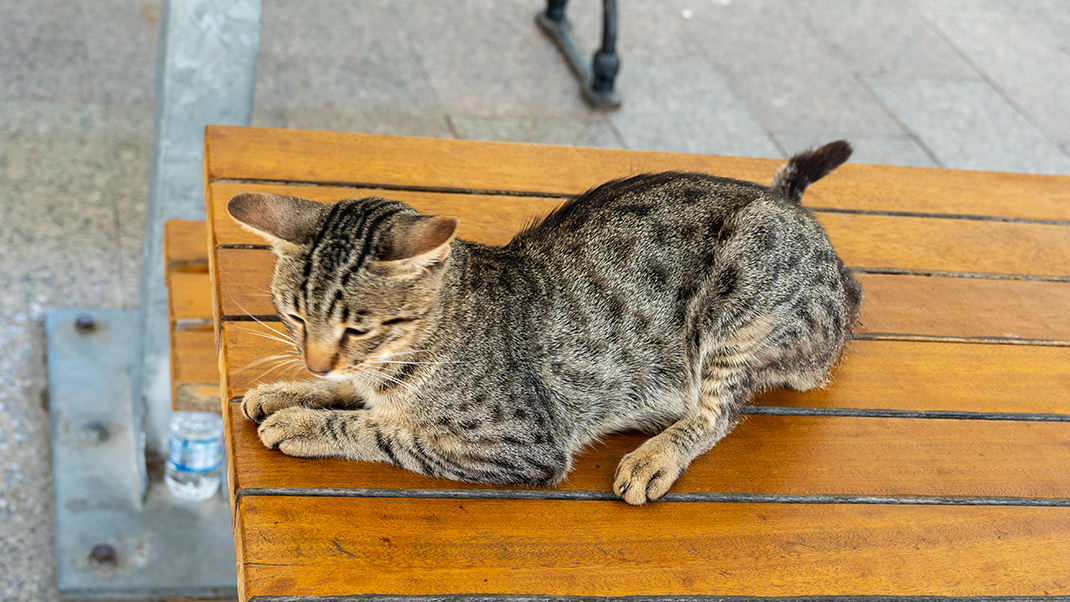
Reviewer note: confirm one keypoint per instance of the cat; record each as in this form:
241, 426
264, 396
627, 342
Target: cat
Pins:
661, 302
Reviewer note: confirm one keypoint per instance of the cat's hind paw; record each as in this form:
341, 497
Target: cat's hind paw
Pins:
646, 474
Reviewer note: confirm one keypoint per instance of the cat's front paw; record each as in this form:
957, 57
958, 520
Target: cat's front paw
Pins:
647, 473
264, 400
296, 431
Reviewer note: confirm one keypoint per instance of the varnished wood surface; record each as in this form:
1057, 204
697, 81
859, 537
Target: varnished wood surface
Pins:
928, 376
944, 426
934, 306
863, 241
766, 454
190, 299
185, 246
328, 157
604, 548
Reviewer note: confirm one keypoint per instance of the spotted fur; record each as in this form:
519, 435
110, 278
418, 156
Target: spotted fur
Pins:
659, 302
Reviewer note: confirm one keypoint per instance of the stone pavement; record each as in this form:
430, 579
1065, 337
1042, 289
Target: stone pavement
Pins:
972, 84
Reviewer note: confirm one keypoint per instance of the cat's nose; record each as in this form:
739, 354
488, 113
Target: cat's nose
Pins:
319, 359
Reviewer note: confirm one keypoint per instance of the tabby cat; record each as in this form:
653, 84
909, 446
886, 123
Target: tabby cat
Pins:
659, 302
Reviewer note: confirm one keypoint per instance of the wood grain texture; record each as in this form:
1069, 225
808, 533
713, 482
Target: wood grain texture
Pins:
194, 371
863, 241
190, 300
601, 548
928, 376
361, 159
766, 454
340, 543
896, 304
185, 245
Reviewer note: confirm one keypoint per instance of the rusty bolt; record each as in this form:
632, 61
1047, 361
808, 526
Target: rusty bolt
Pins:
102, 555
85, 323
93, 431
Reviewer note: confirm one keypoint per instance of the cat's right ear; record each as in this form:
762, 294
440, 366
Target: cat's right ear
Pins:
280, 219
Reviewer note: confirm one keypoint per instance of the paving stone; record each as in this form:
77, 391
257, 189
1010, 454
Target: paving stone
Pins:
583, 129
402, 121
27, 540
686, 106
787, 75
489, 58
43, 54
60, 244
1023, 48
879, 37
47, 141
968, 125
121, 42
877, 150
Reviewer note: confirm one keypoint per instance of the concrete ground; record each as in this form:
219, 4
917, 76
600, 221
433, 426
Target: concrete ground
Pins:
972, 84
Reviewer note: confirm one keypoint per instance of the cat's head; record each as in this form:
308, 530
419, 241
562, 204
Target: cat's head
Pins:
354, 281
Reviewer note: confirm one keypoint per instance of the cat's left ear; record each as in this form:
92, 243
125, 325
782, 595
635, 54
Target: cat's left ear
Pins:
418, 241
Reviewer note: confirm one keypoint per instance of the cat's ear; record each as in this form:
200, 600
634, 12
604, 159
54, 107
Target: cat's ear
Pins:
418, 241
280, 219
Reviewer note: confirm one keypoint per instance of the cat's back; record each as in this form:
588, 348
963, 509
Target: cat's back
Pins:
643, 204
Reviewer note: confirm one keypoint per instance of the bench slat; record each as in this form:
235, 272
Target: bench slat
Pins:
863, 241
602, 548
328, 157
190, 300
928, 376
766, 454
894, 304
185, 245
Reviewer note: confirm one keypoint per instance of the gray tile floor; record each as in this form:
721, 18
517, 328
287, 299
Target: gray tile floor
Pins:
974, 84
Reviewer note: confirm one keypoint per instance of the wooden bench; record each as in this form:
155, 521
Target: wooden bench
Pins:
936, 464
194, 366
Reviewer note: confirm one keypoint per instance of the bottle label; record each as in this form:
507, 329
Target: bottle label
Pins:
195, 456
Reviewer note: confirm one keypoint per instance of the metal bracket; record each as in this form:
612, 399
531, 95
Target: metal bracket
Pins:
110, 543
596, 80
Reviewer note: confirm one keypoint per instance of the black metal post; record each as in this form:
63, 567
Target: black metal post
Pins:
605, 64
597, 77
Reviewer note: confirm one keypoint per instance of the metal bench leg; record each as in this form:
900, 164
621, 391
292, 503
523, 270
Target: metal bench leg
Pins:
596, 80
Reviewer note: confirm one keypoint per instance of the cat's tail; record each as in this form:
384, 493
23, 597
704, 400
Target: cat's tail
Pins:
809, 166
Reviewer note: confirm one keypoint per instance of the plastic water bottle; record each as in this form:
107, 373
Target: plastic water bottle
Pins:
195, 455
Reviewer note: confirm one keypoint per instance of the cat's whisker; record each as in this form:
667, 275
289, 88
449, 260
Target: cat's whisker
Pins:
250, 315
292, 363
416, 363
267, 336
395, 380
261, 361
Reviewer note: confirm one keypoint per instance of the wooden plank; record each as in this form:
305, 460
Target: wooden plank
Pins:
190, 300
928, 376
194, 371
766, 454
363, 159
193, 356
601, 548
185, 245
489, 219
863, 241
965, 308
893, 304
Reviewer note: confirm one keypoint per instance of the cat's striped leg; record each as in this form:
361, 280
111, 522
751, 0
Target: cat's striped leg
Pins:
647, 473
364, 436
320, 433
264, 400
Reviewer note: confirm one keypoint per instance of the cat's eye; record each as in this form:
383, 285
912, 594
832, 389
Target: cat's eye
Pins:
354, 332
296, 318
397, 321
